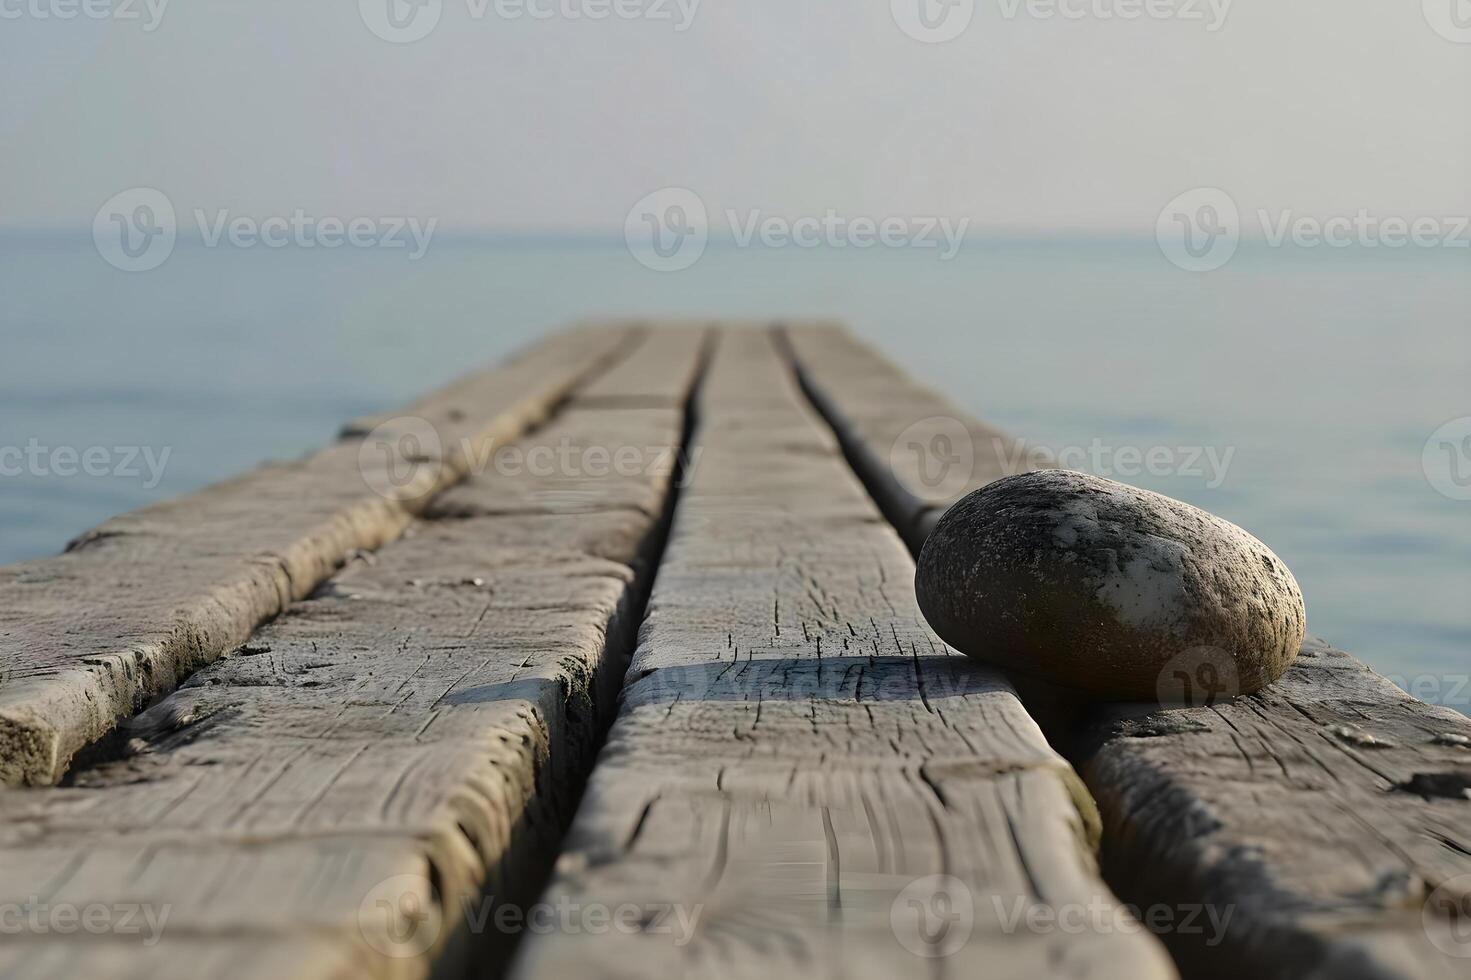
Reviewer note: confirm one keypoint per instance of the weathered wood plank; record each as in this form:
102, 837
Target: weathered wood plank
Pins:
408, 738
142, 601
1321, 812
659, 378
797, 758
917, 452
1324, 811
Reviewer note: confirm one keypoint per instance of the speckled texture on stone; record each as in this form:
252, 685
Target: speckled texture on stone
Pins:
1101, 586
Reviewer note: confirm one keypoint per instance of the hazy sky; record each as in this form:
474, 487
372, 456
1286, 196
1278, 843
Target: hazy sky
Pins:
1021, 122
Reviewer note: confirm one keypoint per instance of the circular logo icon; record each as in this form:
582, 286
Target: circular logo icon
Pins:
401, 21
1451, 19
401, 458
934, 457
933, 916
933, 21
1446, 459
1446, 916
667, 230
1197, 678
400, 917
1199, 230
135, 230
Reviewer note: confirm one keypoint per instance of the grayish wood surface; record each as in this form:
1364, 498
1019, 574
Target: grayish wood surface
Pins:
327, 800
142, 601
796, 756
1322, 811
916, 451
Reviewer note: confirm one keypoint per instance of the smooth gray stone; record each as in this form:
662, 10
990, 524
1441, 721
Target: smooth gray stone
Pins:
1120, 592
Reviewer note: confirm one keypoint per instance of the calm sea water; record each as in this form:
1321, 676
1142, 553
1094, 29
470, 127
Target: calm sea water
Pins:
1314, 377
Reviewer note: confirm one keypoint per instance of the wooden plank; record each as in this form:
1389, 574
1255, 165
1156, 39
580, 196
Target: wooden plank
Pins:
1323, 812
659, 378
917, 452
352, 781
142, 601
799, 767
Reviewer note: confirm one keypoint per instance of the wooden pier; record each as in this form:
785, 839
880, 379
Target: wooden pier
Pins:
419, 705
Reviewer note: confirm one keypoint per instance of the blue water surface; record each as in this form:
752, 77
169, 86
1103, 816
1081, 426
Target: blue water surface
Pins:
1321, 373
